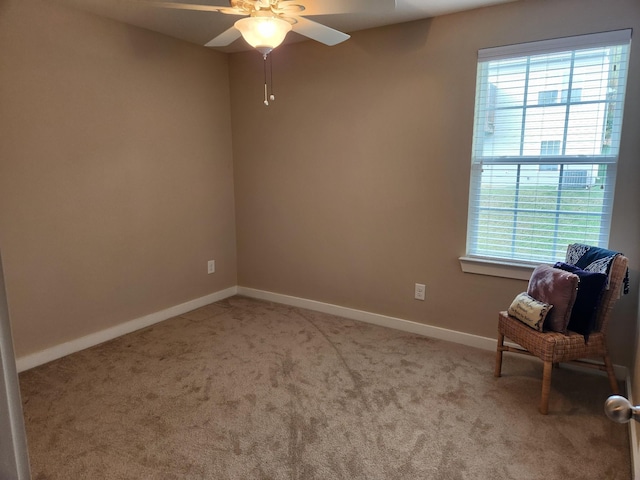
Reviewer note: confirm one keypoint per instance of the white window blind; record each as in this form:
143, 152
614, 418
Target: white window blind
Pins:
548, 119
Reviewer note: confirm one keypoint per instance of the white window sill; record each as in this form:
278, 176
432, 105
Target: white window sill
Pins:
497, 268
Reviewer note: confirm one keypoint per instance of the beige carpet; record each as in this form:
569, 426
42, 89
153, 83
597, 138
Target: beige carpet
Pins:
245, 389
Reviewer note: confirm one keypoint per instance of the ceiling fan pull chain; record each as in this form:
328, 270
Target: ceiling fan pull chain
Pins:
268, 96
266, 100
272, 96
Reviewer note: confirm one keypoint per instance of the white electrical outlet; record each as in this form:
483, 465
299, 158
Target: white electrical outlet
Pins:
419, 292
211, 266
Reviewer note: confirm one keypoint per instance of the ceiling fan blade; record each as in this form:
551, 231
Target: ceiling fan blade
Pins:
329, 7
225, 38
192, 6
319, 32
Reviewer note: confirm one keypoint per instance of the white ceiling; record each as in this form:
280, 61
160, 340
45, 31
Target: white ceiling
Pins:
200, 26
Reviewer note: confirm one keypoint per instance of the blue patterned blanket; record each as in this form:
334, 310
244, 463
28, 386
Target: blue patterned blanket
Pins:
594, 259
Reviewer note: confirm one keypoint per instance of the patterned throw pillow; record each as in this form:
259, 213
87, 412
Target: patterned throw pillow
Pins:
558, 288
528, 310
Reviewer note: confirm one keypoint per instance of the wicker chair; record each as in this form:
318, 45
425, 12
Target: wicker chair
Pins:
553, 348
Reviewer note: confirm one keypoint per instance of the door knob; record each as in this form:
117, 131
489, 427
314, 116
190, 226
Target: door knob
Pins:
620, 410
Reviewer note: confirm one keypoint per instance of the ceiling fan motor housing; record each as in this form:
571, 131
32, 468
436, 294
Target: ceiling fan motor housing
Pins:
253, 5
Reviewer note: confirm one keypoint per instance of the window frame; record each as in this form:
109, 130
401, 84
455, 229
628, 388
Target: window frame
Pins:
514, 267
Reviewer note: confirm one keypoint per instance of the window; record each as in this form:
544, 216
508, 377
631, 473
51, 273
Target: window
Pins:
547, 97
543, 175
576, 95
549, 147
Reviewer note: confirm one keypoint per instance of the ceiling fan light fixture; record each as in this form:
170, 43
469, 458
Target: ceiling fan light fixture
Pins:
264, 33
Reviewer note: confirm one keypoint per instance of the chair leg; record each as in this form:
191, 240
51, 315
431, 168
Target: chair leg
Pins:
498, 370
546, 387
611, 374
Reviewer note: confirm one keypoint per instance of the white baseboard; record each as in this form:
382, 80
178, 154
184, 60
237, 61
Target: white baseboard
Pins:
374, 318
440, 333
39, 358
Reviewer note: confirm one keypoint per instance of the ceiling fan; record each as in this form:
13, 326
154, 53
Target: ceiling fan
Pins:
267, 22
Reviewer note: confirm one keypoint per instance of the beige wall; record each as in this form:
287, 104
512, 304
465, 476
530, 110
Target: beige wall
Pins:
353, 185
116, 178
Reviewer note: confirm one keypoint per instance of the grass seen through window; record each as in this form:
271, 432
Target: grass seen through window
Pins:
537, 222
